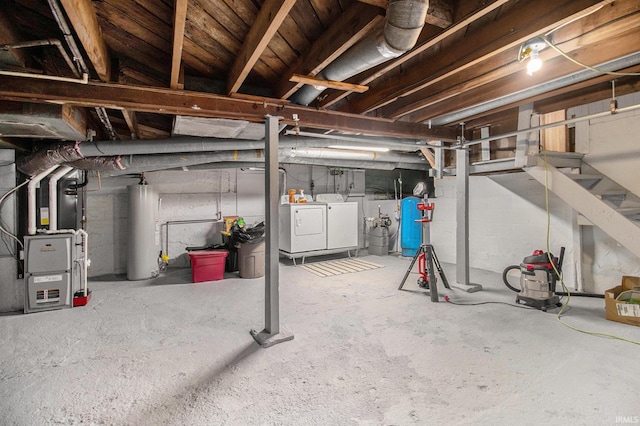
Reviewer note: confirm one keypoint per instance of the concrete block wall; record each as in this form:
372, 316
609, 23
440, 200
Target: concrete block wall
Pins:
504, 227
201, 198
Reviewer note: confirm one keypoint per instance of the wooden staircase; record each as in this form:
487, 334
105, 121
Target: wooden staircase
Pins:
598, 200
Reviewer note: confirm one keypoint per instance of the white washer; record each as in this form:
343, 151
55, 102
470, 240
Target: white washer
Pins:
342, 225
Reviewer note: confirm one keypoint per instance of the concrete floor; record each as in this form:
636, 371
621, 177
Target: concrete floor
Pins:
171, 352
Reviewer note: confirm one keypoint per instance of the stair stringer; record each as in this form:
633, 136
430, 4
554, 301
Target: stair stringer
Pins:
598, 212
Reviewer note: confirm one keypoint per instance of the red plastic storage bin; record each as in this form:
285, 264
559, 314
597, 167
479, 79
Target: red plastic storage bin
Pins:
208, 265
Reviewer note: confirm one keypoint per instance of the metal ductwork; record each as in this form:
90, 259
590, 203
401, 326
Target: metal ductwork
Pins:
318, 156
113, 155
403, 24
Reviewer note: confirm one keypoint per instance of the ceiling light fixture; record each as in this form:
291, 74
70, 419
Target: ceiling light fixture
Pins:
530, 49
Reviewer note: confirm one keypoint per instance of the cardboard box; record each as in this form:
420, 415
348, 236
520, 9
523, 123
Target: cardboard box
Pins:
617, 306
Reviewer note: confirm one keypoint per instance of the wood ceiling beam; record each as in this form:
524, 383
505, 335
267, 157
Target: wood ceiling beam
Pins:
380, 71
179, 18
83, 18
337, 85
440, 12
505, 64
181, 102
508, 31
129, 116
583, 93
269, 19
586, 93
132, 123
603, 51
10, 34
356, 22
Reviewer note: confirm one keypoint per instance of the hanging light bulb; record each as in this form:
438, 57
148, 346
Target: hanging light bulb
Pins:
534, 64
531, 50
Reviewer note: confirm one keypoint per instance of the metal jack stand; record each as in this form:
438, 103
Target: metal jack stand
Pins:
426, 256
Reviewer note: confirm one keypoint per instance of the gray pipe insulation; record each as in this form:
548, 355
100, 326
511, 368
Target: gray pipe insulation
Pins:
347, 164
318, 156
111, 155
197, 144
403, 24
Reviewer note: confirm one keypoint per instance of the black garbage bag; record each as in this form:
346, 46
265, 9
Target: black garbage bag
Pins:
244, 235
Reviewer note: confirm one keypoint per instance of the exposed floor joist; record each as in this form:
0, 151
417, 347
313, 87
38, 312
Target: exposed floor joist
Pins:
269, 19
179, 102
180, 15
505, 33
85, 23
423, 47
515, 83
9, 34
570, 39
350, 28
440, 12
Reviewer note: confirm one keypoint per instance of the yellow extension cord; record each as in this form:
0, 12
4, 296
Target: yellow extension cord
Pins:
566, 305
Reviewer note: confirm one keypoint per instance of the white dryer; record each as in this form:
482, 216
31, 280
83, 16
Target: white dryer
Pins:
303, 227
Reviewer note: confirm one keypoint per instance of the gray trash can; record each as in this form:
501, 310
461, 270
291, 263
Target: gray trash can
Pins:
251, 260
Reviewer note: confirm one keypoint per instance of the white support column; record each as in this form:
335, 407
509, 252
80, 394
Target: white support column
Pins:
486, 145
272, 333
439, 154
527, 143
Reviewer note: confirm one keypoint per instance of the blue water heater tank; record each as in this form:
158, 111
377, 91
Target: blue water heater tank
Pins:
410, 230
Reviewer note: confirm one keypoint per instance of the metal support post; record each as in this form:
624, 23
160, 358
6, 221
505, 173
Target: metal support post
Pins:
272, 333
462, 221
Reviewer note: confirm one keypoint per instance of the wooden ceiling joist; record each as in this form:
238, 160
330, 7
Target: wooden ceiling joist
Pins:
267, 23
508, 31
180, 16
9, 34
180, 102
440, 12
488, 71
355, 23
423, 47
85, 22
132, 123
619, 46
337, 85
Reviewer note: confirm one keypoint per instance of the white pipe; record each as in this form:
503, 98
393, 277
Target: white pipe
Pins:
85, 259
83, 80
31, 199
53, 196
346, 154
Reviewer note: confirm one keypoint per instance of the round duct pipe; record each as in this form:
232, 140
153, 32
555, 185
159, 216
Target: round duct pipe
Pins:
403, 24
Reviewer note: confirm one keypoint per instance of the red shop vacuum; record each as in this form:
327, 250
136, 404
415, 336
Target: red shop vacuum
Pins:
538, 276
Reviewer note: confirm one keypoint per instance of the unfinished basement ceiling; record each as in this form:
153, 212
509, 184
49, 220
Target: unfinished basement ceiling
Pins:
158, 66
